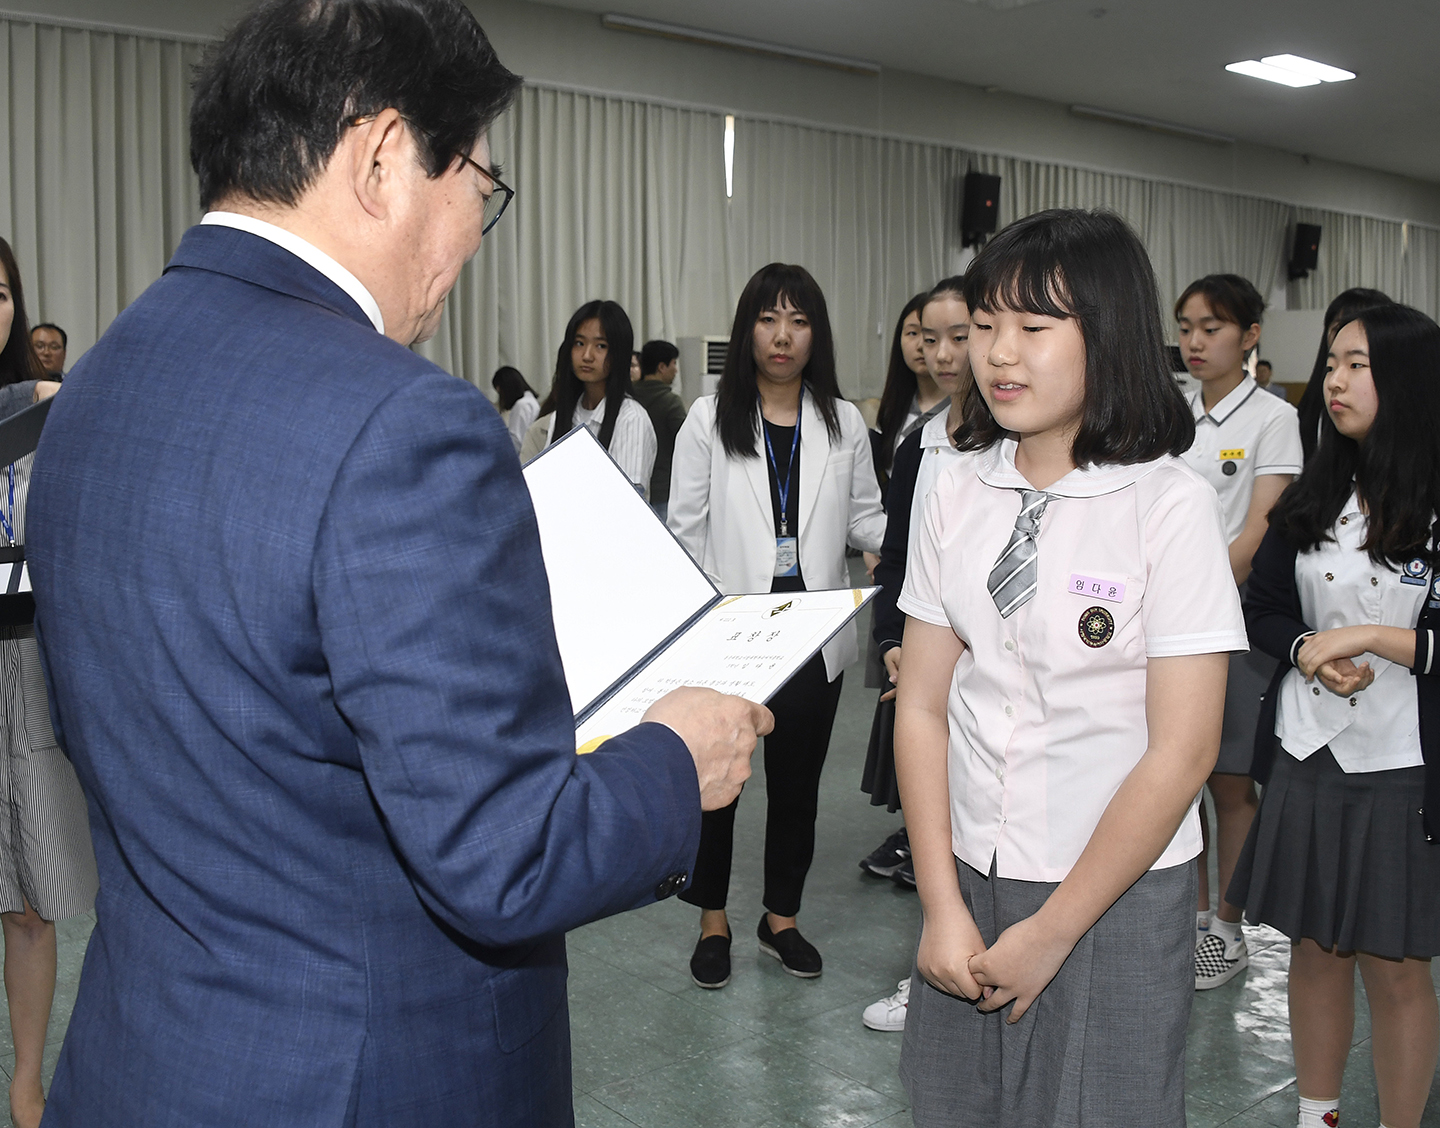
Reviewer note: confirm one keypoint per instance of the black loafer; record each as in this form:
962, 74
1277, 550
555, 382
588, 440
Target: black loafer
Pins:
710, 963
796, 954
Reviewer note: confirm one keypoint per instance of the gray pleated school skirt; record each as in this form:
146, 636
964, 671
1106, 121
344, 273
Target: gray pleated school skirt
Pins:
1250, 675
1104, 1044
1342, 859
45, 852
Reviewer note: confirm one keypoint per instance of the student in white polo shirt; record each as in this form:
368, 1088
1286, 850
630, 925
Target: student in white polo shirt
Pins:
1070, 609
1247, 445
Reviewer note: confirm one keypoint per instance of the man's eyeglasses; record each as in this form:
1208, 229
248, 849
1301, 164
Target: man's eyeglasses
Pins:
495, 203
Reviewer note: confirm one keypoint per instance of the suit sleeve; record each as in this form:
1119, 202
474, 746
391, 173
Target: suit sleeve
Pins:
889, 620
434, 614
1272, 603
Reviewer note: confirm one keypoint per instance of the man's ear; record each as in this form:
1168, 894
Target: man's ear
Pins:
376, 148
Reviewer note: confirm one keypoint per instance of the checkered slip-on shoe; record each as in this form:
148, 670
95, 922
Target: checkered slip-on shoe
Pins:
1217, 963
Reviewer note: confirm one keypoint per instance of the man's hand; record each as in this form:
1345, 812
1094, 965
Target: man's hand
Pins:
721, 733
892, 667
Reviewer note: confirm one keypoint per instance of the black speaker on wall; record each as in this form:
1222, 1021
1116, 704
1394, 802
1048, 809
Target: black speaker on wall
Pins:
980, 208
1305, 254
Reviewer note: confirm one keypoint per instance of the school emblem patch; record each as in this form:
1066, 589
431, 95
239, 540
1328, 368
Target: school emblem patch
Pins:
1097, 627
1415, 571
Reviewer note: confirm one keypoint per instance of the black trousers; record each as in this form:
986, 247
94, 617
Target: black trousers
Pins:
794, 755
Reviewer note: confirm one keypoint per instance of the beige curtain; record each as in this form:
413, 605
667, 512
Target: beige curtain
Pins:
621, 199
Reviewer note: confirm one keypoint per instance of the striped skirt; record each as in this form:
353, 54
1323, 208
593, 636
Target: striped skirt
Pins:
45, 852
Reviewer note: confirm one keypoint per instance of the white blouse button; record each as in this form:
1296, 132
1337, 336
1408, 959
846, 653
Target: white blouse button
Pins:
1329, 576
1009, 644
1009, 710
1344, 520
1352, 701
1000, 773
1316, 691
1374, 581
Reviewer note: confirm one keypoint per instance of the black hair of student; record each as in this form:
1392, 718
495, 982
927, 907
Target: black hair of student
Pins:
1347, 305
1396, 470
510, 386
568, 389
64, 338
1265, 362
272, 98
654, 354
1230, 298
18, 359
901, 384
1090, 266
737, 407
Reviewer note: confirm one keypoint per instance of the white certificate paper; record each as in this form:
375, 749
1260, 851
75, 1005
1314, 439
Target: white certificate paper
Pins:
636, 617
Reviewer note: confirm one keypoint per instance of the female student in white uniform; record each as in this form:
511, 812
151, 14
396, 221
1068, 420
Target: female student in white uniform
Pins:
945, 329
771, 478
910, 394
517, 402
1247, 445
1070, 610
592, 389
1342, 856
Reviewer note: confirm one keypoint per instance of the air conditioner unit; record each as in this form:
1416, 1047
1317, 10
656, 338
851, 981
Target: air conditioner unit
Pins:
702, 359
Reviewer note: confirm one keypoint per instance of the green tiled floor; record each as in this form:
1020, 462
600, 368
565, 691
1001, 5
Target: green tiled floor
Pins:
772, 1051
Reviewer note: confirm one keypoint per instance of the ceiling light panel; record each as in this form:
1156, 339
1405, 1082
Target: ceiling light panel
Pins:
1256, 69
1300, 65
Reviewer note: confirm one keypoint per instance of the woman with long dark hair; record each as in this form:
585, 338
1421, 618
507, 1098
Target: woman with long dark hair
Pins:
1341, 857
47, 865
910, 395
771, 479
516, 399
592, 389
1346, 307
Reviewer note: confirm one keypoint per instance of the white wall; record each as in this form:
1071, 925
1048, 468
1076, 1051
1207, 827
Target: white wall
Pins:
557, 45
1288, 340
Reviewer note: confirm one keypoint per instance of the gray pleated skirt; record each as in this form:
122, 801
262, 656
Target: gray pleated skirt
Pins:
1104, 1044
1342, 859
1250, 675
45, 852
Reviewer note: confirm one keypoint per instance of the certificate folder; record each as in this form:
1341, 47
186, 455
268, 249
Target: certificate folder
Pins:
635, 616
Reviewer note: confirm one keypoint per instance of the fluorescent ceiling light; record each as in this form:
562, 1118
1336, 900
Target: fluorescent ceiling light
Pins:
1256, 69
1300, 65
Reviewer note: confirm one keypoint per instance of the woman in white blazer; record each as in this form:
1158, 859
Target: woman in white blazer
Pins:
772, 477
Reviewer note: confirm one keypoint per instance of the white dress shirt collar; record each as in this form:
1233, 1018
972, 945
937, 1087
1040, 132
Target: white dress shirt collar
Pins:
997, 468
308, 253
1227, 406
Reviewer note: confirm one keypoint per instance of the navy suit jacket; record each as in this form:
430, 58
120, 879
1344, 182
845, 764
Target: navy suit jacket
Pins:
297, 632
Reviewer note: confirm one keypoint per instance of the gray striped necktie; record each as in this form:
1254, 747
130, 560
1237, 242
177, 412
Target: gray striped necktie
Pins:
1012, 580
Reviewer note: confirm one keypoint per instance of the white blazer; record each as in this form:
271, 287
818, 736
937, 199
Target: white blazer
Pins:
720, 508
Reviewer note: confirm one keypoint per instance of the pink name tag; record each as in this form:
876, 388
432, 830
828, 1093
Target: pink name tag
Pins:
1092, 588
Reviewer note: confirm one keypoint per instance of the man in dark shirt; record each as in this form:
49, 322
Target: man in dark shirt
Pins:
659, 361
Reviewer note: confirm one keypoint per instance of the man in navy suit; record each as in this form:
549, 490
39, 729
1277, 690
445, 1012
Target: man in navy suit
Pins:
297, 629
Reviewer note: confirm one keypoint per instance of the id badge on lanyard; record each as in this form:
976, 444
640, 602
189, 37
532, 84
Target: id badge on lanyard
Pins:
787, 548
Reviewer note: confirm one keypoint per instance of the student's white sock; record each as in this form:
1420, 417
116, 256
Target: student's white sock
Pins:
1227, 930
1202, 921
1319, 1114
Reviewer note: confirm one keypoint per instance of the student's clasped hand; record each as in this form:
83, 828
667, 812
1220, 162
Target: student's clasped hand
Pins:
947, 948
1019, 965
1328, 656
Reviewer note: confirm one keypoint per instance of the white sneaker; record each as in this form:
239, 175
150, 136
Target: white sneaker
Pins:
1217, 962
889, 1013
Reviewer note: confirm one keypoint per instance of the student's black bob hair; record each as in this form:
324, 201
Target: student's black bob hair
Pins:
1230, 298
273, 97
901, 384
510, 386
1396, 470
1090, 266
737, 408
1346, 306
18, 358
567, 388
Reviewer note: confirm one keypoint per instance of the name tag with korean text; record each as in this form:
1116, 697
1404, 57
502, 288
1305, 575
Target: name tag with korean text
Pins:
1234, 454
787, 556
1094, 588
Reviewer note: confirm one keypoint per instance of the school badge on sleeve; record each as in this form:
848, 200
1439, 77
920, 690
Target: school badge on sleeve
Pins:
1097, 627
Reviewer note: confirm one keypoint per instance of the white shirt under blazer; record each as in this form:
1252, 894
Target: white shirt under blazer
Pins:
1377, 729
1047, 707
720, 507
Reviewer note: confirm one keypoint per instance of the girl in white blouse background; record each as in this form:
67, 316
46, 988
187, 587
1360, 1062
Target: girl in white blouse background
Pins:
1339, 858
1070, 609
592, 388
